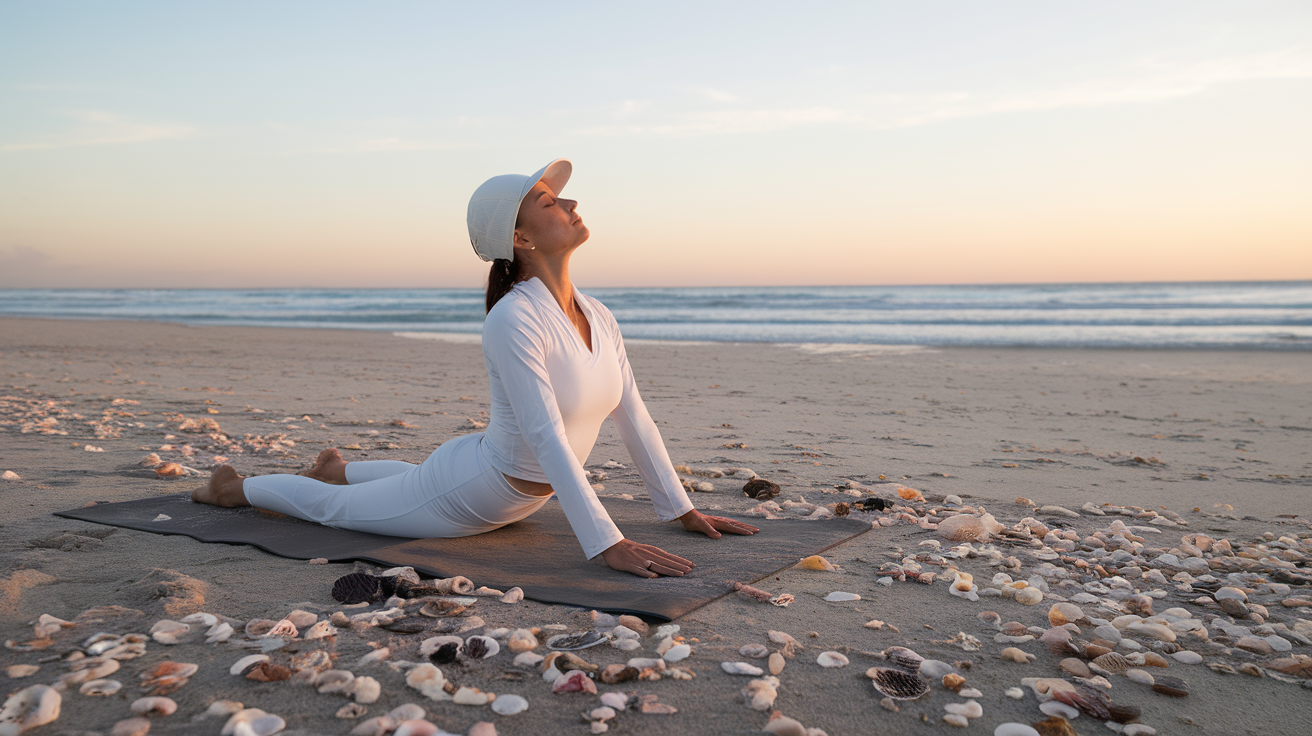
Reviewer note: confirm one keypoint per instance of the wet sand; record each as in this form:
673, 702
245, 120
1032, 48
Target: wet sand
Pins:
1219, 438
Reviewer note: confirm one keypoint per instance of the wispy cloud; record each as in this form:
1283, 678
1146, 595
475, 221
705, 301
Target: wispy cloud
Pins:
98, 128
1150, 80
721, 122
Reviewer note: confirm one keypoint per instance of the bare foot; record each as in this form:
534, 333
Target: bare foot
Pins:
329, 468
224, 489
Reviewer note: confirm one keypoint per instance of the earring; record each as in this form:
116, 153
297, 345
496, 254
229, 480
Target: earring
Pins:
532, 247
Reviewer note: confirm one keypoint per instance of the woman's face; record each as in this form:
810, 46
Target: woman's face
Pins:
548, 224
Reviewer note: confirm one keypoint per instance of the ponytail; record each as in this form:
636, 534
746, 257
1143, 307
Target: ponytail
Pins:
500, 280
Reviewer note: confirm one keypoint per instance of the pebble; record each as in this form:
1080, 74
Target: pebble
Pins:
741, 668
509, 704
1014, 729
953, 719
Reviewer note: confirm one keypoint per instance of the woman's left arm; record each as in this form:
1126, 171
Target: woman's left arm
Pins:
643, 440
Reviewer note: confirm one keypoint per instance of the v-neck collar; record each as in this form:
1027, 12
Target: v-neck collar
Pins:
583, 306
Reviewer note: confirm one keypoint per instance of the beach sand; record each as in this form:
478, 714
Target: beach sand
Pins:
1220, 438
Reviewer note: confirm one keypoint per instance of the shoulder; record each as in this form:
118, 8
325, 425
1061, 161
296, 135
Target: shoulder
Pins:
514, 313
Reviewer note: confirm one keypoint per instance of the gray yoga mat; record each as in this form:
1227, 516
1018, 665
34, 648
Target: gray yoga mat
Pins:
539, 554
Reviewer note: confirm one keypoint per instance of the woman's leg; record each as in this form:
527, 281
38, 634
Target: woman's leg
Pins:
363, 471
454, 493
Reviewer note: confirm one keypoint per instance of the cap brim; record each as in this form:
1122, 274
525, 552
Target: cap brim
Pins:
555, 175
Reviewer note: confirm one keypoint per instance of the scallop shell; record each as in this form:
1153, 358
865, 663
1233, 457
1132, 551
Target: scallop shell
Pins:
1113, 662
904, 658
481, 647
575, 641
897, 684
760, 489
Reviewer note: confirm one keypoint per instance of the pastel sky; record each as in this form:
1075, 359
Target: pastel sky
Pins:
245, 144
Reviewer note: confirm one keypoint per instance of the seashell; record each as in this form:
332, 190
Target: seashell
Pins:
334, 681
222, 708
964, 582
566, 661
154, 706
417, 728
521, 640
1095, 703
218, 633
358, 587
839, 595
94, 668
486, 592
268, 672
243, 665
1168, 685
576, 681
16, 671
576, 641
816, 562
1014, 729
442, 608
365, 690
896, 683
1014, 693
741, 668
130, 727
677, 653
955, 719
761, 489
351, 710
166, 676
1140, 676
954, 682
428, 680
301, 619
204, 619
1029, 596
1015, 655
168, 632
1064, 613
1058, 709
1075, 667
614, 674
963, 528
514, 595
508, 704
283, 628
30, 707
407, 712
775, 663
321, 630
100, 687
259, 627
481, 647
903, 658
1153, 659
755, 651
968, 709
831, 660
908, 494
760, 694
169, 470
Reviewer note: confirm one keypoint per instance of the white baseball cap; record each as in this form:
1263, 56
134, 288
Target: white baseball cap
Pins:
495, 205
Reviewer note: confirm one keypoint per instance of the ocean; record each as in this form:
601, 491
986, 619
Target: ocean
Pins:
1263, 316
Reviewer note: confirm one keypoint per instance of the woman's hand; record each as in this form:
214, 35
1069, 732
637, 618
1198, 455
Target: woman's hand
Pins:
711, 526
644, 560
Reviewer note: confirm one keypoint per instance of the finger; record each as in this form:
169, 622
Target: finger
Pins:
667, 570
735, 526
668, 559
641, 569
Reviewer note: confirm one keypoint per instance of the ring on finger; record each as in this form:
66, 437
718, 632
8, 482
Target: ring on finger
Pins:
648, 565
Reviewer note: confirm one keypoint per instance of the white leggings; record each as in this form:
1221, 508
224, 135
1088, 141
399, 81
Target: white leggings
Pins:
454, 493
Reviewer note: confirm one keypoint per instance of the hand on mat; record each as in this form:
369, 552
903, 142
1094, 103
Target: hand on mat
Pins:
711, 526
644, 560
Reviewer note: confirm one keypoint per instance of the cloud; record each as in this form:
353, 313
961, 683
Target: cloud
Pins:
722, 122
1149, 80
98, 128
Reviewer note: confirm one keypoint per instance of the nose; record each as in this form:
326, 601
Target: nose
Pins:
570, 204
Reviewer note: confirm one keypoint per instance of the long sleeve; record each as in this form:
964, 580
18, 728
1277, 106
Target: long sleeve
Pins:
515, 354
643, 440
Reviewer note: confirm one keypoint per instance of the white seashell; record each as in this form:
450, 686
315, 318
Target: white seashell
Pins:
154, 706
100, 687
755, 651
954, 719
168, 632
1029, 596
334, 681
677, 653
131, 726
30, 707
486, 592
480, 647
839, 595
204, 619
432, 644
551, 674
471, 696
321, 630
509, 704
627, 645
615, 700
1014, 729
417, 728
366, 690
528, 659
244, 716
15, 671
1058, 708
831, 660
246, 662
970, 692
220, 632
429, 680
1187, 657
624, 632
407, 712
222, 708
969, 709
741, 668
666, 630
604, 713
521, 640
1014, 693
514, 595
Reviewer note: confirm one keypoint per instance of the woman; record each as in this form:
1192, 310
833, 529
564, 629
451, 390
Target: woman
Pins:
556, 367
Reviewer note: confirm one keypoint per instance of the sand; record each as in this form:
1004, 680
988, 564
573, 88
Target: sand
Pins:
1221, 438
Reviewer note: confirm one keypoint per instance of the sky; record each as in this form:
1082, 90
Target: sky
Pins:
326, 144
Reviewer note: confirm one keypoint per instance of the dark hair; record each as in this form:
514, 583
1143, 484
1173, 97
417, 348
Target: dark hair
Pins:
500, 280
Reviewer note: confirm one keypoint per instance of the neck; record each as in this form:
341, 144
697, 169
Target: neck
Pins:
554, 274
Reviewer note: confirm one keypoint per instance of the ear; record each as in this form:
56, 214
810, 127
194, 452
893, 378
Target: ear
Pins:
520, 240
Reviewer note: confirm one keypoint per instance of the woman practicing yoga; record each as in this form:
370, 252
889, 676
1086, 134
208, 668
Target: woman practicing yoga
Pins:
556, 367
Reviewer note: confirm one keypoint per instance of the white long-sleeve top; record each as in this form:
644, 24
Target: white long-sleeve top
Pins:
550, 394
